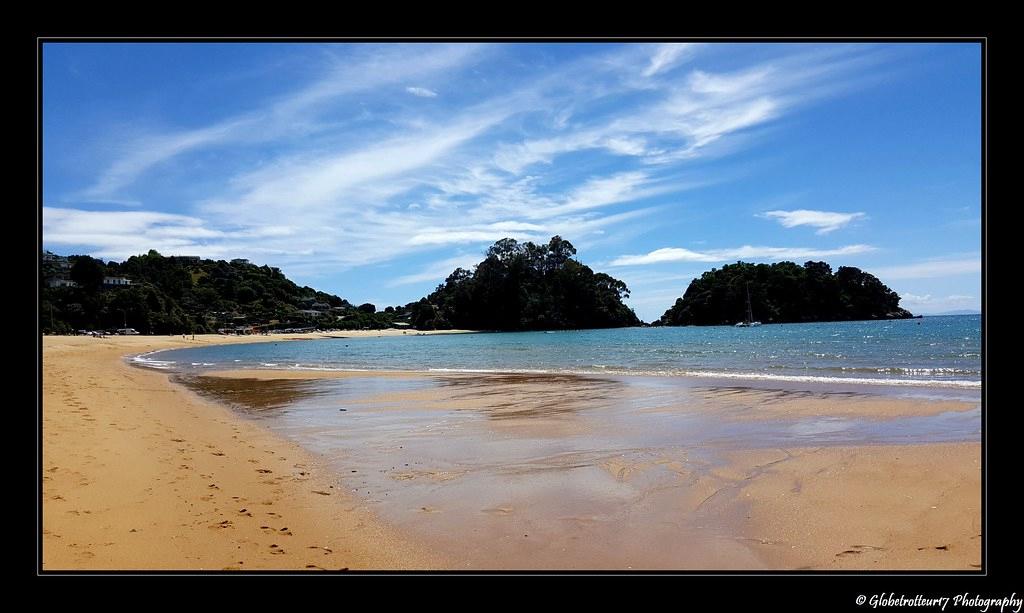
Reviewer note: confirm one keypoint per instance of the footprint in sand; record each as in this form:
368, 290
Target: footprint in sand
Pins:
498, 510
858, 549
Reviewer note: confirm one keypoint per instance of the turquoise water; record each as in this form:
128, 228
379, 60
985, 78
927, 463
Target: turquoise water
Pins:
929, 352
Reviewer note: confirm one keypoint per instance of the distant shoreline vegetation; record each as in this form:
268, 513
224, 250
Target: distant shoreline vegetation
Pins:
783, 292
155, 294
516, 287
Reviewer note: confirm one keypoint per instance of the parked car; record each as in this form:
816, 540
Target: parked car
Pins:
126, 331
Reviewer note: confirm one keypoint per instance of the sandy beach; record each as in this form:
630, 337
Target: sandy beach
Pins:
140, 473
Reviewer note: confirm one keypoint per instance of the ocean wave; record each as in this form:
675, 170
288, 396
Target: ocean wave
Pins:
145, 360
952, 383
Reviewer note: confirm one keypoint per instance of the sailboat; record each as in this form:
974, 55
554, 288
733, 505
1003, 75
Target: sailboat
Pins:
749, 321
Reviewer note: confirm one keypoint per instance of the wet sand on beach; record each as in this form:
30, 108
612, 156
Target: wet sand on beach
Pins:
568, 472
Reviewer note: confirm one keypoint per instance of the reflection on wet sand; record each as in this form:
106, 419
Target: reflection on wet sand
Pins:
563, 471
523, 396
254, 396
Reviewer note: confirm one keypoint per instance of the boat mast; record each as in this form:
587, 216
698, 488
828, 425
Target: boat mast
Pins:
750, 312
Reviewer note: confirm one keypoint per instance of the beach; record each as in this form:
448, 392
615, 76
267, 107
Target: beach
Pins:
143, 473
137, 474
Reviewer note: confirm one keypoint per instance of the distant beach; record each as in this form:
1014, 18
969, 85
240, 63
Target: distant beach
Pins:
460, 470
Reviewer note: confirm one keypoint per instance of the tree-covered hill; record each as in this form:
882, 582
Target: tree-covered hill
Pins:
177, 295
783, 292
523, 286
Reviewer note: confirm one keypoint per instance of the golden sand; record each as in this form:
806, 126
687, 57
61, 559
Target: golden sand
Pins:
140, 474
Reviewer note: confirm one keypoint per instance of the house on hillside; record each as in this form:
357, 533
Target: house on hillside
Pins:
60, 282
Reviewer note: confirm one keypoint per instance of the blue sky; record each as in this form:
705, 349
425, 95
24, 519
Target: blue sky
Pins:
373, 170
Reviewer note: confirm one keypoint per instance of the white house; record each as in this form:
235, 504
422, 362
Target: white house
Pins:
116, 281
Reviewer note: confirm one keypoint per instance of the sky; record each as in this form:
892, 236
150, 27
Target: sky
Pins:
373, 170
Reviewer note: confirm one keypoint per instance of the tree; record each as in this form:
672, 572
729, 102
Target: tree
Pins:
524, 286
245, 294
87, 272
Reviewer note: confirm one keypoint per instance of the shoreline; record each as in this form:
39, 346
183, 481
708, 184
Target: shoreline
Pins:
862, 404
91, 510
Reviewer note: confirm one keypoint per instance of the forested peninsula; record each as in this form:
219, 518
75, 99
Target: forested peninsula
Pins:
524, 286
783, 292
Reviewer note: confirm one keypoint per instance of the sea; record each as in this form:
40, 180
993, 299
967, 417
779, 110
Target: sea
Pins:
942, 352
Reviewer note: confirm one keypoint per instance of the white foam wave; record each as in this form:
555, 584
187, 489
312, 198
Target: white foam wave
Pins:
960, 384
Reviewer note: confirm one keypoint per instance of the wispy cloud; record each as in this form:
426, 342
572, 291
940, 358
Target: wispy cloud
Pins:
666, 56
928, 303
121, 234
422, 92
825, 221
438, 271
747, 252
374, 67
928, 269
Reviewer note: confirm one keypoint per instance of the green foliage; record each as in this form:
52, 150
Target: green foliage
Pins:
172, 295
523, 286
783, 293
87, 272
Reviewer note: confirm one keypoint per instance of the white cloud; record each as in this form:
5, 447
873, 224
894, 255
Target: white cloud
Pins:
929, 269
938, 304
438, 271
675, 254
684, 118
422, 92
825, 221
324, 179
120, 234
666, 56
